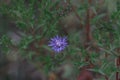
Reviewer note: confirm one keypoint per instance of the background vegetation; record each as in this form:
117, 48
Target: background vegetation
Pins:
91, 26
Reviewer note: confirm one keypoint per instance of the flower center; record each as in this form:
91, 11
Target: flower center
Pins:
58, 43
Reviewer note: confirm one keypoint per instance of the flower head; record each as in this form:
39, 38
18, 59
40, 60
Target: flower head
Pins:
58, 43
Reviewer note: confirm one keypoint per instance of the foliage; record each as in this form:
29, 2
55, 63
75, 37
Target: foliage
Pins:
39, 21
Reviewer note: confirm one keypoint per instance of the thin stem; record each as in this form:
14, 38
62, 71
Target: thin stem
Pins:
87, 28
117, 65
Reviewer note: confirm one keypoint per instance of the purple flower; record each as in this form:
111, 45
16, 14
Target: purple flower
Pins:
58, 43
